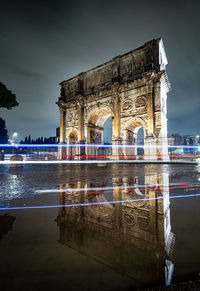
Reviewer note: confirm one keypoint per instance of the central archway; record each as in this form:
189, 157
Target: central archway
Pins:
95, 130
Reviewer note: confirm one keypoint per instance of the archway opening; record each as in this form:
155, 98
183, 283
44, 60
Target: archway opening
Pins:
140, 142
72, 140
100, 131
135, 135
107, 134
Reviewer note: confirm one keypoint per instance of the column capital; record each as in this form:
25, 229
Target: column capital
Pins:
62, 110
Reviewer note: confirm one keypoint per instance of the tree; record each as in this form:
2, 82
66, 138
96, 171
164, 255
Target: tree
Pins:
3, 132
7, 98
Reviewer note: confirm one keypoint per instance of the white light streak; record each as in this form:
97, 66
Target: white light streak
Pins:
103, 188
98, 146
6, 162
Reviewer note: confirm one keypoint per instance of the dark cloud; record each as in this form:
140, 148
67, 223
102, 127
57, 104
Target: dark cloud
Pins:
45, 42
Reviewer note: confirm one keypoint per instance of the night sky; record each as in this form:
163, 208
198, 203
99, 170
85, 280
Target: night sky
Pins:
45, 42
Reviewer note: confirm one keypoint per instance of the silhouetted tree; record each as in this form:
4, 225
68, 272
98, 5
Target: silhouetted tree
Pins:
8, 101
7, 98
39, 140
29, 139
3, 132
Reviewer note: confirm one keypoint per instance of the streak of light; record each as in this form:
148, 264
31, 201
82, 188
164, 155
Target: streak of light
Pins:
97, 145
6, 162
103, 188
98, 203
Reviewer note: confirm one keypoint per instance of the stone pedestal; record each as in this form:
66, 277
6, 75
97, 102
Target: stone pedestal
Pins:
62, 152
117, 152
81, 154
150, 148
162, 150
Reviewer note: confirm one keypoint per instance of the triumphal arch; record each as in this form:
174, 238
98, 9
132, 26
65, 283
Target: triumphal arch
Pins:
131, 89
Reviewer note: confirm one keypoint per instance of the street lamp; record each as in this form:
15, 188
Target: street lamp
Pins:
15, 134
14, 137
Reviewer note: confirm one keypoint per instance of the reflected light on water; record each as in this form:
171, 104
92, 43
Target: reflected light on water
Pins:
104, 188
99, 203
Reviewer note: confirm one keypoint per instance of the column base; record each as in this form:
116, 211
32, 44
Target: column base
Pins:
62, 152
81, 154
117, 152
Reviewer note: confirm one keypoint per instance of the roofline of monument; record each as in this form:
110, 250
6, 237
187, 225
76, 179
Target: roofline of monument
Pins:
157, 39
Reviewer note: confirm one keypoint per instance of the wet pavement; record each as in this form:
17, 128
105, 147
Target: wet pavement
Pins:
98, 227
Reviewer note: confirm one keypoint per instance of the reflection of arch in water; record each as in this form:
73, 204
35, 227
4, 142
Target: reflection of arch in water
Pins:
139, 231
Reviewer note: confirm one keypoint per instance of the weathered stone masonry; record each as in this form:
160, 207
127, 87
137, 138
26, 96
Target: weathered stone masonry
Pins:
132, 89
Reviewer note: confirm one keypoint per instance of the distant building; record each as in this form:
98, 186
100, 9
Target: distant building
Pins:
58, 134
171, 140
178, 139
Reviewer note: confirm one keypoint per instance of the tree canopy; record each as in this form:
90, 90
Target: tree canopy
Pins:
7, 98
3, 132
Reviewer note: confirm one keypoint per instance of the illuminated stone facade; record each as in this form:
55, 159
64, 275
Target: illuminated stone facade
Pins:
131, 89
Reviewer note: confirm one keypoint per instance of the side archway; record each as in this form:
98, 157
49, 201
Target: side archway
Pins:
72, 140
130, 133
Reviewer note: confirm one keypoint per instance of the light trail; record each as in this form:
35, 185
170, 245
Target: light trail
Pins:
103, 188
95, 145
97, 203
153, 161
129, 189
32, 156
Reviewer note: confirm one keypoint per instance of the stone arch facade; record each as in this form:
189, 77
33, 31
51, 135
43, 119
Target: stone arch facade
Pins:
131, 88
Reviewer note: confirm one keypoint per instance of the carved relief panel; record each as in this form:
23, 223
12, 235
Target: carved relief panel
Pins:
71, 117
133, 106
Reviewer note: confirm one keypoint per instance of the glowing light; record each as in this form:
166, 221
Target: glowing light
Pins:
105, 188
98, 146
91, 162
98, 203
127, 189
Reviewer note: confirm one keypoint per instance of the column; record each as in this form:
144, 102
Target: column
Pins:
117, 196
80, 124
81, 149
62, 125
116, 140
150, 140
116, 119
62, 150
